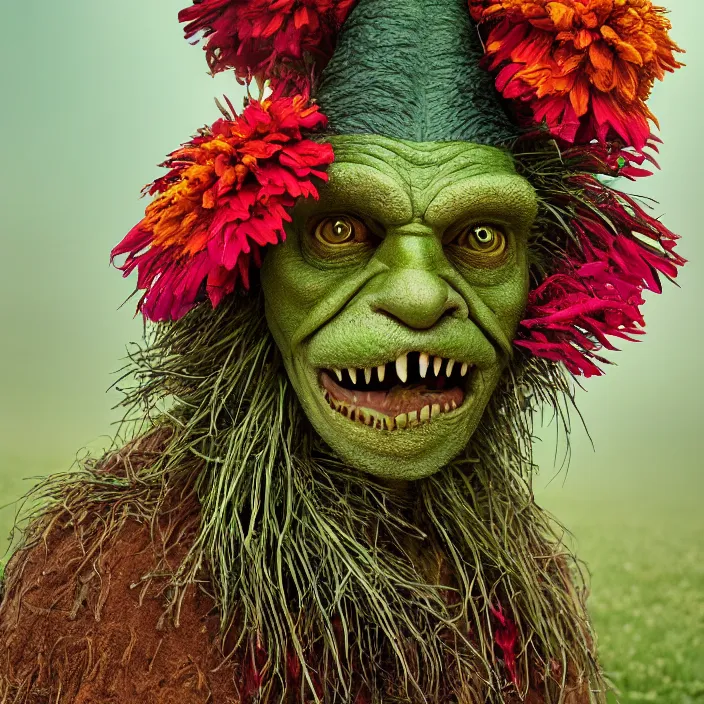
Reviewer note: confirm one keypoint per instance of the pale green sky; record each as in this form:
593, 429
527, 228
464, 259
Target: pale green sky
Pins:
94, 96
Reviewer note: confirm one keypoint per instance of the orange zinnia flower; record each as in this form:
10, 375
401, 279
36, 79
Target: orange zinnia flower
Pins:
586, 67
228, 193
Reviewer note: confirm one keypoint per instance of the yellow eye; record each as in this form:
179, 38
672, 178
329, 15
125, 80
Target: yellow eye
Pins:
483, 239
341, 229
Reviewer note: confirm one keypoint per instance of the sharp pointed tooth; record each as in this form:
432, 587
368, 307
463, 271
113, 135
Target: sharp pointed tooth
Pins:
464, 368
392, 423
367, 374
450, 366
436, 409
425, 413
447, 407
353, 375
338, 374
454, 405
437, 365
423, 362
401, 420
381, 371
412, 417
402, 368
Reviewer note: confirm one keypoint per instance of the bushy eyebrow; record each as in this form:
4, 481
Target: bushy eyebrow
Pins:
370, 192
502, 198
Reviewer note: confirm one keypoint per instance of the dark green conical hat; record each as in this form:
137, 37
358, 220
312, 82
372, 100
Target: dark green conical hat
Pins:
410, 69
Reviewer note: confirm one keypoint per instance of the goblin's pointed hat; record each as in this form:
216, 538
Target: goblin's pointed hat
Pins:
563, 84
411, 70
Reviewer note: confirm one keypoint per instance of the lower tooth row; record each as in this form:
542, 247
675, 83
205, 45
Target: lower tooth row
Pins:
382, 422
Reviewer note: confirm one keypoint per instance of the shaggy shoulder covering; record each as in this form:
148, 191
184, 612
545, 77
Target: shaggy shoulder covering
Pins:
88, 613
79, 631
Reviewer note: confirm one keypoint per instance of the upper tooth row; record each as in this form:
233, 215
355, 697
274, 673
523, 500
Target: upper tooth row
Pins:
425, 363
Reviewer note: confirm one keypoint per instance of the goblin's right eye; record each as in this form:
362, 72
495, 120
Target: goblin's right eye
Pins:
340, 230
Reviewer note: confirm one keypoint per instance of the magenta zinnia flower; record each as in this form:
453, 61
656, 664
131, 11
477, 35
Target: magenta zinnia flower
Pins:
596, 295
267, 38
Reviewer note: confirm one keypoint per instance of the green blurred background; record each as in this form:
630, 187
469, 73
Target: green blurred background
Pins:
95, 94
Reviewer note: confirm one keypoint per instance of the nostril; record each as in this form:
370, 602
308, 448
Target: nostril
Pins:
418, 317
387, 313
452, 310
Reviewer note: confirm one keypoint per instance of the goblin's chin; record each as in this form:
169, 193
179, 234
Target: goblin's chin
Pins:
405, 419
400, 458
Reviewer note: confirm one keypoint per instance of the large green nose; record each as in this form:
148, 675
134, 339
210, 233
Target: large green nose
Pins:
412, 291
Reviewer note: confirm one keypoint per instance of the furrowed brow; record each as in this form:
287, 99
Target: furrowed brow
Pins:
362, 189
501, 198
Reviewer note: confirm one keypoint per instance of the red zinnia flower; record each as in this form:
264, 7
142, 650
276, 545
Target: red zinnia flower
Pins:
227, 193
506, 637
267, 38
586, 67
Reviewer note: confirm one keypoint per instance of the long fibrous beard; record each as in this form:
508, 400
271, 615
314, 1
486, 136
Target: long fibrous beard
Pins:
331, 586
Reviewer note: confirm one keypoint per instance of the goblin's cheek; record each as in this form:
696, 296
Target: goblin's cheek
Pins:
507, 302
292, 287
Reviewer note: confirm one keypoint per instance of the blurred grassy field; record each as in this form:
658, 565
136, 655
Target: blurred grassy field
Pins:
646, 559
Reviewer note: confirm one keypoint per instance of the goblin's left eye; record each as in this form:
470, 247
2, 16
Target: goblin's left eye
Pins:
483, 239
341, 229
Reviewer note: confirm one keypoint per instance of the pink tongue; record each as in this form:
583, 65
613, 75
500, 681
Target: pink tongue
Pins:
400, 399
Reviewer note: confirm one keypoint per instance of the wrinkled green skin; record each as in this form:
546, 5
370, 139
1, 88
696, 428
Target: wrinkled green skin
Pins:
363, 306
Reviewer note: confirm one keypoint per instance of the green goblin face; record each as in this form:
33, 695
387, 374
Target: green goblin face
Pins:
396, 296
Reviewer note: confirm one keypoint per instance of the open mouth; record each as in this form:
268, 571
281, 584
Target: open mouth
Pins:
413, 389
